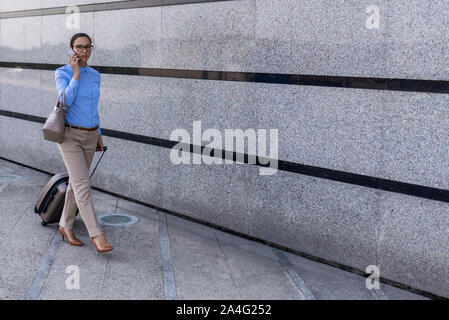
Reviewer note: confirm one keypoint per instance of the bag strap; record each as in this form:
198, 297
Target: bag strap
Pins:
63, 98
64, 107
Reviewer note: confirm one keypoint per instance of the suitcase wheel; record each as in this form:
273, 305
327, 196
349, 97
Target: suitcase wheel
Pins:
35, 209
44, 223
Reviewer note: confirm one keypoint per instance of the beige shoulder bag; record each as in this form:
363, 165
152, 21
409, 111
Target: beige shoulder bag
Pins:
54, 126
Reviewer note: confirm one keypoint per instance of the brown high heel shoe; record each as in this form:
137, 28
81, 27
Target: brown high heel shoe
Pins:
76, 242
99, 249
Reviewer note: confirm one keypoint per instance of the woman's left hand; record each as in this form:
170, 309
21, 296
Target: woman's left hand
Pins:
100, 143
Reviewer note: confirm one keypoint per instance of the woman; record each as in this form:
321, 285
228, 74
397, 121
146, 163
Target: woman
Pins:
82, 136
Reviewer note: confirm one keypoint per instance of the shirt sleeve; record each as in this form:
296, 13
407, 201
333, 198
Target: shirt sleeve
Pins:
70, 88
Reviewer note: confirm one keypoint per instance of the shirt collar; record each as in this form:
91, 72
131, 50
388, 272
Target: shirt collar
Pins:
83, 69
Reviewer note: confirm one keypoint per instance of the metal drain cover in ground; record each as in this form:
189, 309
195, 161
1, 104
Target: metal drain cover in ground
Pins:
117, 219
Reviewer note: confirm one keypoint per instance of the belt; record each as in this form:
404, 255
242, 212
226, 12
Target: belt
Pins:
82, 128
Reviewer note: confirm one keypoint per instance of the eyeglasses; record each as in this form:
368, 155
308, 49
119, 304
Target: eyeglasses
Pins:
81, 47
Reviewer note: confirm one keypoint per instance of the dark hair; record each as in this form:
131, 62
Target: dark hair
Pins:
77, 35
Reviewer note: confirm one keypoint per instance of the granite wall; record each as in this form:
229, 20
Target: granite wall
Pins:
396, 135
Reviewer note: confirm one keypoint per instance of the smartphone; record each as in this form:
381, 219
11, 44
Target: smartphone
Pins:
70, 52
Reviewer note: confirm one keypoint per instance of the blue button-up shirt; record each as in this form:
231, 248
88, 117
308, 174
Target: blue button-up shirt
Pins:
81, 95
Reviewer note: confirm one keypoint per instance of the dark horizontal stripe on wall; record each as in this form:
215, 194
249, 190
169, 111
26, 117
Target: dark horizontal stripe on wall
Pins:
323, 173
431, 86
104, 6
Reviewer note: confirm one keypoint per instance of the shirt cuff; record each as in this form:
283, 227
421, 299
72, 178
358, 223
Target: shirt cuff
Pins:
74, 82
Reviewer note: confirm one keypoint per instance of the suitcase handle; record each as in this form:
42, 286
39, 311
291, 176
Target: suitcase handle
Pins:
98, 148
102, 154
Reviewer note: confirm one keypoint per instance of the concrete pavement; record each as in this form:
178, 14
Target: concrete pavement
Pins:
160, 257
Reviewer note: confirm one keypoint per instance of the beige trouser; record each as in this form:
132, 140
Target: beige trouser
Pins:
77, 150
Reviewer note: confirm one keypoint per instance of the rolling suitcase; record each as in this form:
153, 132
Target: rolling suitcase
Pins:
50, 203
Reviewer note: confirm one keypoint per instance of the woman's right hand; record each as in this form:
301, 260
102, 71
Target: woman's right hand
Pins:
74, 63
